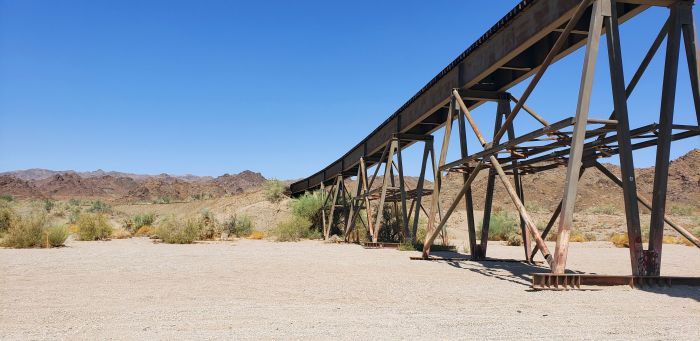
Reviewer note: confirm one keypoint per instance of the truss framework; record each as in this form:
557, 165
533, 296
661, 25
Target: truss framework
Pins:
576, 143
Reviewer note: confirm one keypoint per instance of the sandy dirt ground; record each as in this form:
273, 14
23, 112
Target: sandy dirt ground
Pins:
134, 289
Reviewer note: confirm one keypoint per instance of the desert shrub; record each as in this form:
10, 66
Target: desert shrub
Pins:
57, 235
121, 233
134, 223
145, 231
552, 236
49, 205
308, 206
99, 206
172, 231
73, 214
604, 209
239, 226
502, 225
7, 214
7, 198
590, 236
93, 226
201, 196
209, 226
292, 229
577, 237
680, 210
257, 235
514, 240
75, 202
274, 190
620, 240
26, 230
405, 246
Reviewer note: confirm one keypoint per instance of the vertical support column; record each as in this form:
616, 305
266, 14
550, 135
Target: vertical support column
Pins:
435, 201
402, 189
468, 199
574, 165
501, 111
355, 205
624, 142
323, 207
387, 174
690, 37
663, 149
365, 190
527, 240
338, 185
427, 146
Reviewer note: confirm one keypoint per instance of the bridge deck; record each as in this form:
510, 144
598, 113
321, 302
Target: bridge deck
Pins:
506, 54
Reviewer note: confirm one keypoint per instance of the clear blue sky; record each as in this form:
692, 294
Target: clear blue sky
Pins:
280, 87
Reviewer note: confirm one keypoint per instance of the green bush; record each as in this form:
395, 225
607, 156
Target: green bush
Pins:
75, 202
100, 206
74, 214
93, 226
209, 226
49, 205
502, 225
162, 200
57, 235
514, 240
294, 229
7, 214
308, 206
138, 221
274, 190
26, 230
239, 226
7, 197
172, 231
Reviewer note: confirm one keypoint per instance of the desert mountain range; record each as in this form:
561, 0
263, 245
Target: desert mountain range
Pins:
544, 188
122, 187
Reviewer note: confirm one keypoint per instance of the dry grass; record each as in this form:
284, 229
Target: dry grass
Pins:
620, 240
257, 235
145, 231
121, 233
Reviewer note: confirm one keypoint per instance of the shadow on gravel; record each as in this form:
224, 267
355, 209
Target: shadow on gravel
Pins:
519, 272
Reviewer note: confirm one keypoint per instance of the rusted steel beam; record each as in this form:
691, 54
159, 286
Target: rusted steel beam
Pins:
576, 281
624, 142
579, 135
578, 13
468, 199
690, 38
663, 147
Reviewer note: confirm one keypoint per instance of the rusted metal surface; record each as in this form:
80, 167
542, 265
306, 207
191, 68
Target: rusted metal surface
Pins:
380, 245
577, 281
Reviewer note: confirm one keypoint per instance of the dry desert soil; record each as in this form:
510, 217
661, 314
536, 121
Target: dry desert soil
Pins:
245, 289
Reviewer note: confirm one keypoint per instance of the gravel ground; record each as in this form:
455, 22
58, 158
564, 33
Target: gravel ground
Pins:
133, 289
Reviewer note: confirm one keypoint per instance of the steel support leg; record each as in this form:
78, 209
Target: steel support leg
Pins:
663, 149
385, 184
578, 137
502, 110
468, 199
690, 37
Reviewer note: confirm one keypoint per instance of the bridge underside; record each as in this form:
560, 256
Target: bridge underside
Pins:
522, 45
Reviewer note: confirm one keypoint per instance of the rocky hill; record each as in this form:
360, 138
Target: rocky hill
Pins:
121, 187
